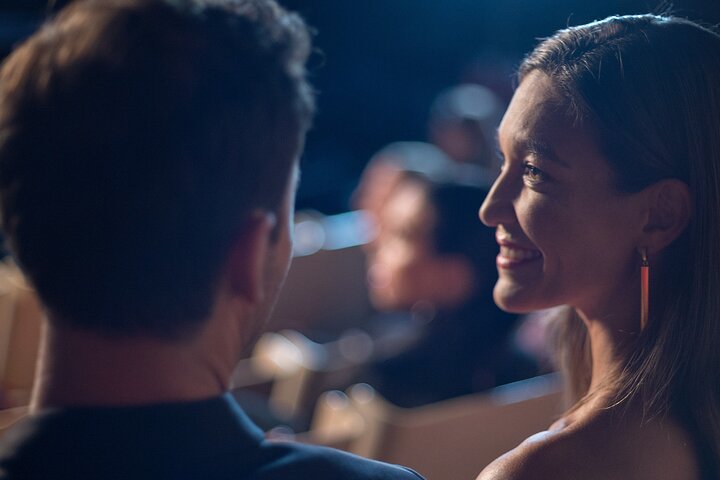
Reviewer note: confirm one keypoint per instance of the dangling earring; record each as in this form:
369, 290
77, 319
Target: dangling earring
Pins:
644, 288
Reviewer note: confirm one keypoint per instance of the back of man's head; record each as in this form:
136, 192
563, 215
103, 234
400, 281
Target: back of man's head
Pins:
136, 138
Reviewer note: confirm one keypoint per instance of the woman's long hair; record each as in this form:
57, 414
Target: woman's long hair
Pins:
649, 87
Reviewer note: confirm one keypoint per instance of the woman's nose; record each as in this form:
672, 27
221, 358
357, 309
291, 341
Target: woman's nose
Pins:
498, 206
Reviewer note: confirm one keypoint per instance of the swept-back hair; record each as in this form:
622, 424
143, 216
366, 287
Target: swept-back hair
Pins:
649, 87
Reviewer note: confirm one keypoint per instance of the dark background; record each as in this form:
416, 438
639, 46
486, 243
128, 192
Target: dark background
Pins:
379, 63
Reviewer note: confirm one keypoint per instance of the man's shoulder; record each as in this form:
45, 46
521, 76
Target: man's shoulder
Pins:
211, 440
295, 460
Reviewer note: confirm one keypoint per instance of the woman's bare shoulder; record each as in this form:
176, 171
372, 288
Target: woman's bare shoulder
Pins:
594, 450
535, 458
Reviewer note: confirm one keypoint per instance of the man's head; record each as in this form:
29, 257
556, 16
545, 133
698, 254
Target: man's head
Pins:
139, 140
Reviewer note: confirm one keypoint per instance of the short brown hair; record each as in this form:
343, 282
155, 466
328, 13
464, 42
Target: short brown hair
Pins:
135, 138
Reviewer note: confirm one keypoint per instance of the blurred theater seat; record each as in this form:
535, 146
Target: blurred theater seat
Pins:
325, 288
455, 438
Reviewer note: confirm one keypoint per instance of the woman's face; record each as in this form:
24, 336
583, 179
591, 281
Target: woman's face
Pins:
566, 235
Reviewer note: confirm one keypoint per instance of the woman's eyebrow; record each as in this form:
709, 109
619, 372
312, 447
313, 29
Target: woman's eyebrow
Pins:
534, 146
543, 150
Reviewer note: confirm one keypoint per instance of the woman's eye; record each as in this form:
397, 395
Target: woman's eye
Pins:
532, 173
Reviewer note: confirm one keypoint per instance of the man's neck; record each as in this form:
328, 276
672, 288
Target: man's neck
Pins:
78, 368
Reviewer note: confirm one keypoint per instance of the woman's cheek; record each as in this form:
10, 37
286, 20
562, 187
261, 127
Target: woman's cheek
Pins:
539, 218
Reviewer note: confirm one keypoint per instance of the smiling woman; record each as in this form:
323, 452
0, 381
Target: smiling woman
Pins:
611, 151
566, 235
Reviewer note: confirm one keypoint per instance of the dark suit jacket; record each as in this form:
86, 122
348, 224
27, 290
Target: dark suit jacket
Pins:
205, 440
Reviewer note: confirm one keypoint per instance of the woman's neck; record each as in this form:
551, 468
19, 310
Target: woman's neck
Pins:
611, 336
613, 325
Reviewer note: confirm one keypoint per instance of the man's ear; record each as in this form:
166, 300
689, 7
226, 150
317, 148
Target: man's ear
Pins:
248, 257
668, 214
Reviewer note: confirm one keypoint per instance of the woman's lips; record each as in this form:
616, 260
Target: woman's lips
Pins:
511, 255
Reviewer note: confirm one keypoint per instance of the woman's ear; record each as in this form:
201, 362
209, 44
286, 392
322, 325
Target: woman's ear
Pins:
668, 214
248, 257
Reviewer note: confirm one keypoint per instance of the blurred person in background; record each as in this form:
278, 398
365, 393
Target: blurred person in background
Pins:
462, 123
432, 258
385, 168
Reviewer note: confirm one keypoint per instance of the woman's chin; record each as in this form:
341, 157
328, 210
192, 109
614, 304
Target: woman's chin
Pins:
514, 299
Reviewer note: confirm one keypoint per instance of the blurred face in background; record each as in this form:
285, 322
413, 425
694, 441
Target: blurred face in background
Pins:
403, 266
